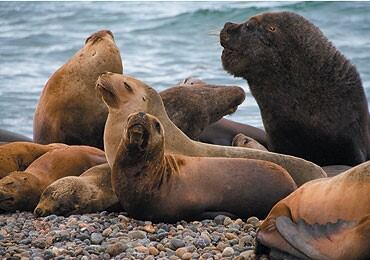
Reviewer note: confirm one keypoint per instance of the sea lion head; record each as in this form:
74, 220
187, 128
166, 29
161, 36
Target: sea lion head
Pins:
65, 196
144, 134
125, 92
189, 107
268, 44
98, 36
242, 140
18, 190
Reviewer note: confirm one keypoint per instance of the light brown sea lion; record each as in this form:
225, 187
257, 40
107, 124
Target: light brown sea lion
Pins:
223, 131
311, 97
242, 140
192, 105
21, 190
90, 192
17, 156
155, 185
124, 95
327, 218
69, 110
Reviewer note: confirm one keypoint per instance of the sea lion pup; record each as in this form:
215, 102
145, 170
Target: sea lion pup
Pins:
224, 130
192, 105
311, 97
17, 156
124, 95
242, 140
69, 111
148, 180
7, 136
324, 219
21, 190
90, 192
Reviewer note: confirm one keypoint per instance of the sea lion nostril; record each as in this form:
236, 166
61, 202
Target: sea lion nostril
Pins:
38, 212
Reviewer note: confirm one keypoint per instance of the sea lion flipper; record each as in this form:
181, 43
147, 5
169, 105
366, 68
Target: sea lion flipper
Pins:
311, 239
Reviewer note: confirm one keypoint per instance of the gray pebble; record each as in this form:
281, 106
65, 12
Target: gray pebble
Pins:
96, 238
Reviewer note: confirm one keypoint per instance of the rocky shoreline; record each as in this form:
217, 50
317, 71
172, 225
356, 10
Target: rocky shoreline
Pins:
113, 235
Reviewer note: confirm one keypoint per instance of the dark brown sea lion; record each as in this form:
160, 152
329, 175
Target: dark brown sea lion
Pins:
124, 95
90, 192
192, 105
155, 185
242, 140
69, 111
311, 97
21, 190
17, 156
327, 218
223, 131
7, 136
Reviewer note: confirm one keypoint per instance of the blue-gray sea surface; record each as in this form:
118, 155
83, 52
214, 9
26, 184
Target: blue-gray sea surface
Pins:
160, 42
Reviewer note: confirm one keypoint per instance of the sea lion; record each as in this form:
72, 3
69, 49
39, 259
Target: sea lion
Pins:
69, 111
124, 95
311, 97
21, 190
155, 185
242, 140
7, 136
224, 130
333, 170
189, 108
90, 192
17, 156
327, 218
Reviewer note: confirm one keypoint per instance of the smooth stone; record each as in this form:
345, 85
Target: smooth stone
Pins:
116, 248
227, 221
181, 251
153, 251
176, 243
228, 252
96, 238
187, 256
137, 234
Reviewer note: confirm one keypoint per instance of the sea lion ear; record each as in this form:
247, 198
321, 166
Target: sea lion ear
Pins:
109, 95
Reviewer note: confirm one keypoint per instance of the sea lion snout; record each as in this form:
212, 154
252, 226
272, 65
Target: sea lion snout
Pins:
38, 212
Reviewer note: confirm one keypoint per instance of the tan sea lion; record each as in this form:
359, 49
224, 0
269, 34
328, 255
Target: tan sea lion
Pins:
69, 110
17, 156
242, 140
311, 97
124, 95
189, 108
155, 185
90, 192
327, 218
21, 190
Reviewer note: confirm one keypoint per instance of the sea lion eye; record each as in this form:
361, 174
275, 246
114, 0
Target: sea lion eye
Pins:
144, 98
127, 86
157, 126
272, 29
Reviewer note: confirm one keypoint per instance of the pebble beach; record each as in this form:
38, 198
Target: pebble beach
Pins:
115, 236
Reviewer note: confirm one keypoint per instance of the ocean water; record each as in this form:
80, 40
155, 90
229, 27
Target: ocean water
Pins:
161, 43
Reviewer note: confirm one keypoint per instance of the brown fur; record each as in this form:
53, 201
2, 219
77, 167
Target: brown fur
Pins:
21, 190
90, 192
189, 108
223, 131
158, 186
122, 102
311, 97
343, 199
242, 140
69, 111
18, 156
